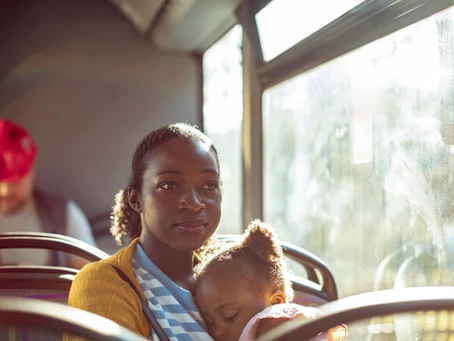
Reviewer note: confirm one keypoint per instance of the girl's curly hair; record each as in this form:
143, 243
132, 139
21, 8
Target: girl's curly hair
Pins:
126, 221
259, 257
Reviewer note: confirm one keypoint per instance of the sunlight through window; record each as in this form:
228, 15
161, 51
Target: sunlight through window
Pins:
283, 23
222, 119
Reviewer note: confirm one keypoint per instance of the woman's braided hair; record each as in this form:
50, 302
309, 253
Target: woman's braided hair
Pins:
259, 257
126, 221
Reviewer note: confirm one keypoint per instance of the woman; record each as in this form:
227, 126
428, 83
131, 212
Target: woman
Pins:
170, 208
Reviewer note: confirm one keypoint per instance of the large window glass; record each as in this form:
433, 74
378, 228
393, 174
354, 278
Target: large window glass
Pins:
359, 162
283, 23
222, 119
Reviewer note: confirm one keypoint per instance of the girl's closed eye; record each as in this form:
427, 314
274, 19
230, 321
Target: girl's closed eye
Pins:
231, 316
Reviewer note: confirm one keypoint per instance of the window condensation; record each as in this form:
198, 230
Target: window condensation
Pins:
359, 162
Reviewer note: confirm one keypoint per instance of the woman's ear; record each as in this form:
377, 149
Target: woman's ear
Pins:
278, 297
135, 200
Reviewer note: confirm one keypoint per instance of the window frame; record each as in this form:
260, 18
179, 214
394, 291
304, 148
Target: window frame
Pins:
374, 19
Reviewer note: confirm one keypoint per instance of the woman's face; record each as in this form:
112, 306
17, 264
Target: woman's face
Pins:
180, 200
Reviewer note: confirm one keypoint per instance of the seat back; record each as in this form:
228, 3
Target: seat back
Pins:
319, 285
421, 267
418, 304
51, 241
43, 320
43, 282
34, 282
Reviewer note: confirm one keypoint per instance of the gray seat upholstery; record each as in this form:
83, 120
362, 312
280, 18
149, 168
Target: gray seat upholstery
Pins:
45, 283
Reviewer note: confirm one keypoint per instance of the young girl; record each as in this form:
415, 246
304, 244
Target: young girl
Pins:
242, 292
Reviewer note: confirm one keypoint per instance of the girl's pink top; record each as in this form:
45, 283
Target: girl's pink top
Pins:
291, 310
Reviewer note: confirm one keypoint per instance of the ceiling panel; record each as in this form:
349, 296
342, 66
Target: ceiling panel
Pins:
139, 12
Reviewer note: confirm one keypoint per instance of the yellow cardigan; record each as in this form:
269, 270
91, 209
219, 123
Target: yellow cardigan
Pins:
97, 288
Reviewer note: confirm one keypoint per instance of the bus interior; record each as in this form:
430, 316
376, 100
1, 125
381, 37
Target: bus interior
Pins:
334, 121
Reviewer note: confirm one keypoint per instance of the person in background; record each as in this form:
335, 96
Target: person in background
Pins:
23, 208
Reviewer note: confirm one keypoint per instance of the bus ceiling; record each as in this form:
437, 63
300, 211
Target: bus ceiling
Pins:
183, 25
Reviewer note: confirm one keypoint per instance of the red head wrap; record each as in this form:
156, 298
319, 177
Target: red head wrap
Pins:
17, 151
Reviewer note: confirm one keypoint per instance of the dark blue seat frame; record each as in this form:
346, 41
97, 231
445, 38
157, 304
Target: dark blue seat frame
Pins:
50, 241
364, 306
325, 290
43, 282
57, 318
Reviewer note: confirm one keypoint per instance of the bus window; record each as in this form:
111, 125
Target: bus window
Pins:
283, 23
222, 120
358, 161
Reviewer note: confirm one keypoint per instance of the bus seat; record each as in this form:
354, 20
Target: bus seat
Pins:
319, 285
44, 282
51, 241
34, 282
41, 282
430, 325
402, 268
41, 320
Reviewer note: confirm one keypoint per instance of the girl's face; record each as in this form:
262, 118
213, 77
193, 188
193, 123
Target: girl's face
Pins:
227, 303
180, 199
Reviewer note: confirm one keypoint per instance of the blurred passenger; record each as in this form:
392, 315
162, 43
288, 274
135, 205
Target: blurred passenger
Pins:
25, 209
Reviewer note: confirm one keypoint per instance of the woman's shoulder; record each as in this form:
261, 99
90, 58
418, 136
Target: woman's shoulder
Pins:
121, 259
97, 269
103, 272
98, 288
96, 274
